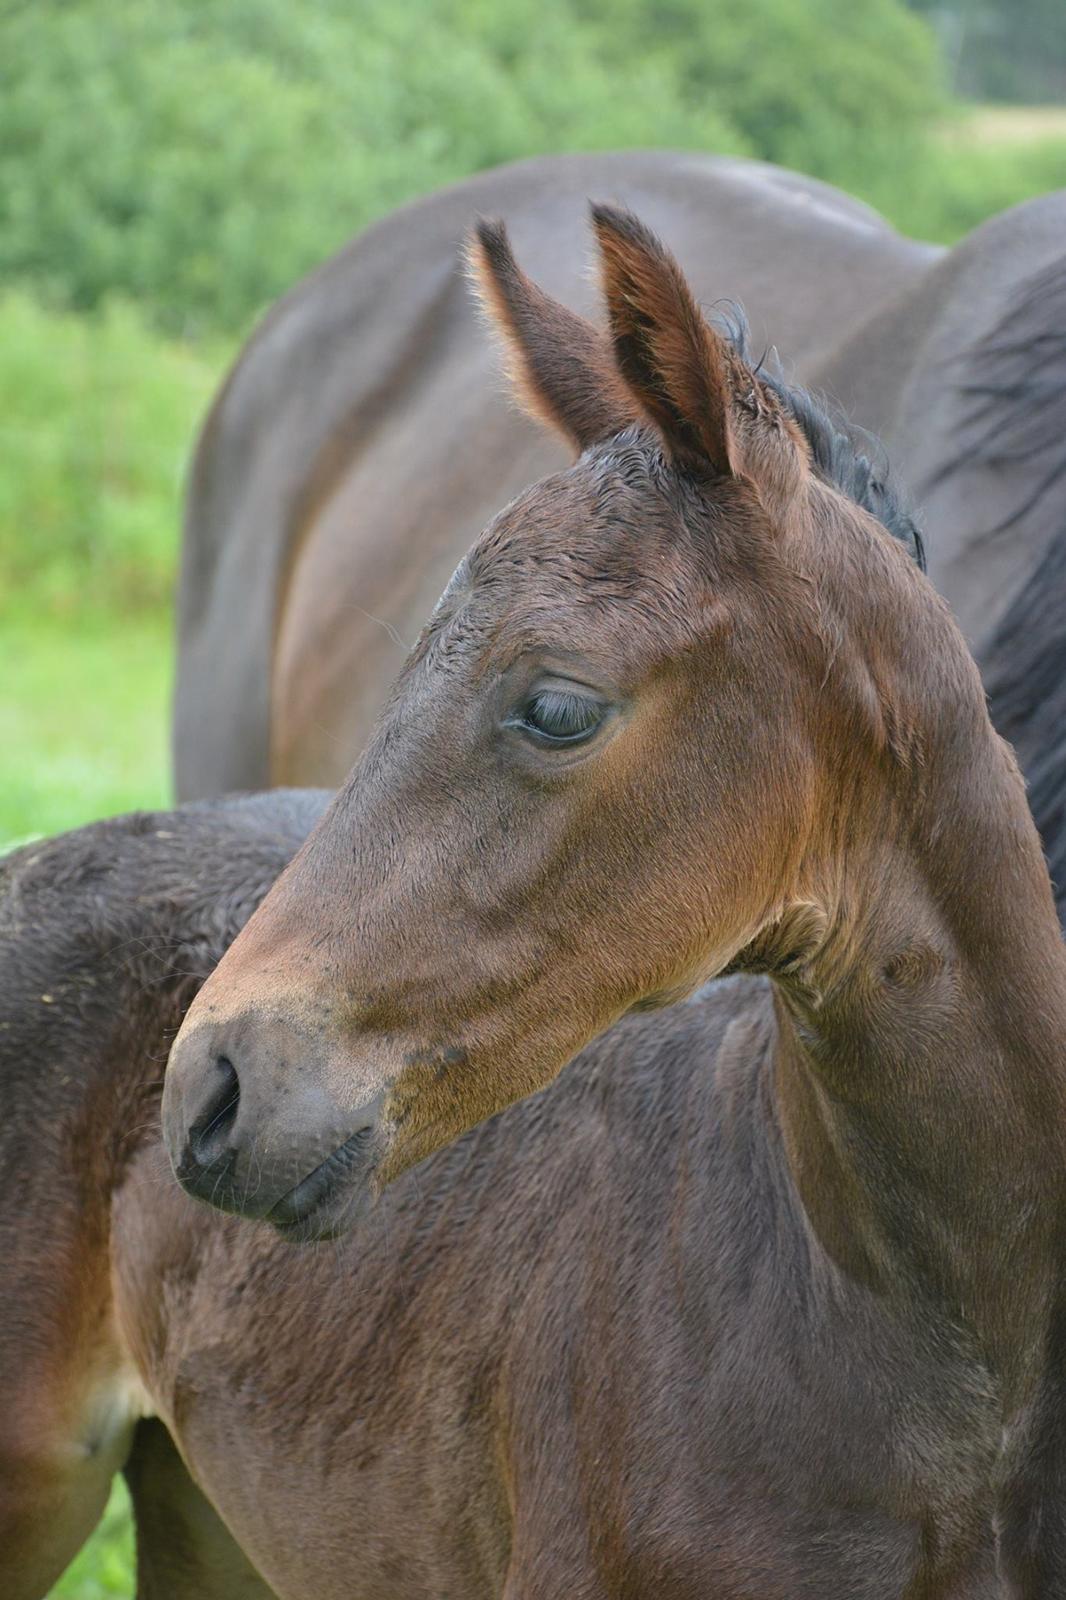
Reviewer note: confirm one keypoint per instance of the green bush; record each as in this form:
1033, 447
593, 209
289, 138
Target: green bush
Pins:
1003, 49
955, 186
97, 423
198, 158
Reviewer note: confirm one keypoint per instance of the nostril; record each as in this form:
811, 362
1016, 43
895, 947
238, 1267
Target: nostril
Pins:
209, 1134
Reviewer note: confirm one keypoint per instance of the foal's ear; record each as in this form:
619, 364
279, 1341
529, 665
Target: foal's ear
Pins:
707, 403
563, 368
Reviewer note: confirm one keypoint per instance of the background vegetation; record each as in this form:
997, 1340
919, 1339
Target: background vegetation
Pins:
167, 167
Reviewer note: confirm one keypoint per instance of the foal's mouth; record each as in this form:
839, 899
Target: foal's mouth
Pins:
333, 1197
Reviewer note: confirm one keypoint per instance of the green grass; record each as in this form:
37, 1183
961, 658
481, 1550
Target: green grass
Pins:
97, 422
83, 720
962, 179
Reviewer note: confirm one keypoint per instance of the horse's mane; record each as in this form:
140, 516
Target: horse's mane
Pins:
843, 454
1024, 668
1015, 382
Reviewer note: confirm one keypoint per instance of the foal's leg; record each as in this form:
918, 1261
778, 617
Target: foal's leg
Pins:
184, 1549
50, 1502
65, 1430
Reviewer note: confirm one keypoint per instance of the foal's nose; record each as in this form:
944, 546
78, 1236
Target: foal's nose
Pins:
208, 1140
251, 1127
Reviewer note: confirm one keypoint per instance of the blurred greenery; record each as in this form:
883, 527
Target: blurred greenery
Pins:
98, 419
83, 719
960, 179
168, 168
199, 158
1002, 49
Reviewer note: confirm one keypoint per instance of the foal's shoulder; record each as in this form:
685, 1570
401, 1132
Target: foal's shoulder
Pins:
658, 1071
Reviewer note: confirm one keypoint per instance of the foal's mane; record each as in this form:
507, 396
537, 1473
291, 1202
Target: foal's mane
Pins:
842, 454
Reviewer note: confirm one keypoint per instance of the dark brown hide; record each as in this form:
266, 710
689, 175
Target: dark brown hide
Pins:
451, 1400
104, 936
796, 1332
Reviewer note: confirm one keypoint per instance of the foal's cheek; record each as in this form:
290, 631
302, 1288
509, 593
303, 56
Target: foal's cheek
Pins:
441, 1095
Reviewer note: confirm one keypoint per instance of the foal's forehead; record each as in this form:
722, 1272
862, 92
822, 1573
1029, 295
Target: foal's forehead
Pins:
609, 519
596, 548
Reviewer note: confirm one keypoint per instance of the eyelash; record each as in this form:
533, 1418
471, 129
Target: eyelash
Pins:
576, 716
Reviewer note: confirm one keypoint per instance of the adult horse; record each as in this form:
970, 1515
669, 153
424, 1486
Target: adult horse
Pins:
763, 1297
358, 444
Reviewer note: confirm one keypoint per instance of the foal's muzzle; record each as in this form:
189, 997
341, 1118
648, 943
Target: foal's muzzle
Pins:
251, 1128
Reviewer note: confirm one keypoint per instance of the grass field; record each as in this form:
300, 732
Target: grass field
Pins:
83, 720
1002, 126
94, 437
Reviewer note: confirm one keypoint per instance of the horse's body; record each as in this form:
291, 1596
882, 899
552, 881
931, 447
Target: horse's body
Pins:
359, 443
510, 1368
764, 1297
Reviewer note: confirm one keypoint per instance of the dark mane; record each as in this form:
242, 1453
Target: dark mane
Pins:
836, 447
1024, 668
1014, 379
1015, 382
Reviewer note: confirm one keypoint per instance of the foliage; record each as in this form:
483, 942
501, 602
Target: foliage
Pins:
199, 158
956, 185
831, 88
98, 418
1002, 49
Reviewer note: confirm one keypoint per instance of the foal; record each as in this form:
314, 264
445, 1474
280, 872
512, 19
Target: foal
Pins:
779, 1314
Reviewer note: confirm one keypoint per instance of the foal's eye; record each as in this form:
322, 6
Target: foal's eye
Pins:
560, 716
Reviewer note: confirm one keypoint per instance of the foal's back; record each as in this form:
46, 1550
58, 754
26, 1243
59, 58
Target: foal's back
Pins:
105, 935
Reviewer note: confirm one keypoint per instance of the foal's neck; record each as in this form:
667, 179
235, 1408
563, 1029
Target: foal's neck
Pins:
921, 1071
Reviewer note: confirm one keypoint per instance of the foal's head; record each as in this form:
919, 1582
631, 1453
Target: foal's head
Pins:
616, 762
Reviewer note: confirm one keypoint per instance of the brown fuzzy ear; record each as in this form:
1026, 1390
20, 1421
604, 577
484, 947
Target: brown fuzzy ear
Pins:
563, 368
710, 407
676, 366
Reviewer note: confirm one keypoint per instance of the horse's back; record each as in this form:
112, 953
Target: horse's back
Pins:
362, 441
